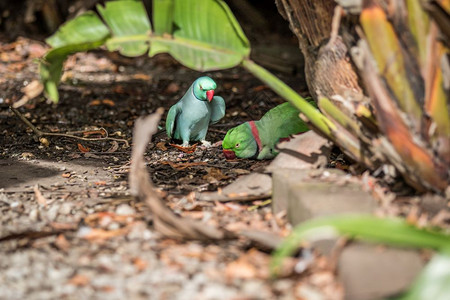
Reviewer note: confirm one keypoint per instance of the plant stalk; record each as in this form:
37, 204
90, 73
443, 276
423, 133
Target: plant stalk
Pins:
321, 122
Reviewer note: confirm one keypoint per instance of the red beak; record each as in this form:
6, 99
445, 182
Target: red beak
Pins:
210, 95
229, 154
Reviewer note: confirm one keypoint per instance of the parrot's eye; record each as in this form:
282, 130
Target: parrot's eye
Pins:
237, 145
201, 88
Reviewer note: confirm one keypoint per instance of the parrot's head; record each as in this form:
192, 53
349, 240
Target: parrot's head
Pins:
204, 88
239, 142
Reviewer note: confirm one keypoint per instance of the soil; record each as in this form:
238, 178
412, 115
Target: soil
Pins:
70, 228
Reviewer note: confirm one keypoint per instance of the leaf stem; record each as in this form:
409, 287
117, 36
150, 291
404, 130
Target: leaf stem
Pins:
321, 122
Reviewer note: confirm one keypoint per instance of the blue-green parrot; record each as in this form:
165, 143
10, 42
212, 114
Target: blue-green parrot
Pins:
189, 118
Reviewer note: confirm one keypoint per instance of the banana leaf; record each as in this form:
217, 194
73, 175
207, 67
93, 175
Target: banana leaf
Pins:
201, 34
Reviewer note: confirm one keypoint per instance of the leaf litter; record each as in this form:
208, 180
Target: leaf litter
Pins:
93, 239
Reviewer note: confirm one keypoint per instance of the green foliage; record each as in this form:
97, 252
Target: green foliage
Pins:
206, 36
126, 20
433, 282
201, 34
83, 33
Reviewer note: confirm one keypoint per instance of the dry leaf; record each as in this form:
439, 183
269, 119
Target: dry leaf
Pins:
161, 146
214, 174
27, 155
99, 235
141, 76
66, 175
39, 197
182, 166
62, 243
140, 264
32, 90
188, 150
79, 280
97, 102
240, 269
172, 88
83, 149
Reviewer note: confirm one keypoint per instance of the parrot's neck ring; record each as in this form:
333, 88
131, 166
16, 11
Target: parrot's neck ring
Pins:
255, 134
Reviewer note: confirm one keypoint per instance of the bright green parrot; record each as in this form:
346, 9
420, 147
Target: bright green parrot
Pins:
257, 139
189, 118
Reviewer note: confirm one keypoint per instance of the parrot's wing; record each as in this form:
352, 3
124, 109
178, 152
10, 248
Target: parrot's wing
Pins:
283, 121
171, 117
217, 109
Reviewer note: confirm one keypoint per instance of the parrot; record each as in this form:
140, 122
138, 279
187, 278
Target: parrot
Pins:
257, 139
189, 118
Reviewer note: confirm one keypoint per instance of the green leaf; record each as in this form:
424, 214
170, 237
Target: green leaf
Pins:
394, 232
83, 33
433, 282
206, 36
86, 28
129, 25
162, 16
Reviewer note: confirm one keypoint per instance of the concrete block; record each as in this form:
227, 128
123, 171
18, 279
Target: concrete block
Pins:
371, 272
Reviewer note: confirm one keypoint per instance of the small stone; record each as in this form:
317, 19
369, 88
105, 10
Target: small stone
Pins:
125, 210
65, 209
52, 213
34, 215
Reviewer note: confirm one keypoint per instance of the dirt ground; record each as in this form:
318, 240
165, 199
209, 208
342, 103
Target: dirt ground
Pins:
70, 228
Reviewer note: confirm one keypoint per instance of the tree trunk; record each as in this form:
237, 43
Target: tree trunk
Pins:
328, 67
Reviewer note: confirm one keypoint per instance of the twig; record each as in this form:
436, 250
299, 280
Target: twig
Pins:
335, 25
40, 133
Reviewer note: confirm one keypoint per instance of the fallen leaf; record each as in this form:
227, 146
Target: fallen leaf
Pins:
39, 197
240, 171
119, 89
63, 226
139, 264
141, 76
188, 150
240, 269
98, 102
31, 91
260, 88
102, 182
172, 88
95, 234
66, 175
27, 155
214, 174
161, 146
79, 280
36, 50
83, 149
107, 288
182, 166
62, 243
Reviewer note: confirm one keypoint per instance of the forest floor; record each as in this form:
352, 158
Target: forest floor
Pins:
69, 228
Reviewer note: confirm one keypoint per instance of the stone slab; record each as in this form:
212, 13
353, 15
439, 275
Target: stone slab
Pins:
306, 198
304, 151
372, 272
